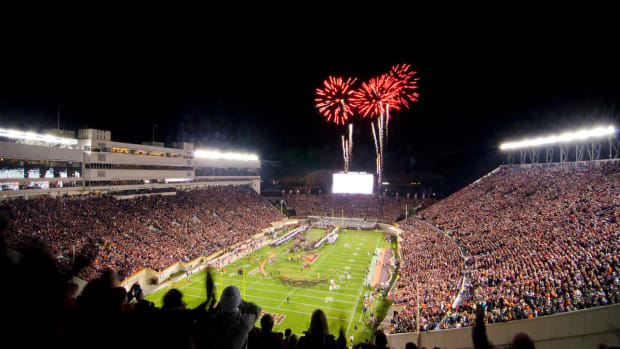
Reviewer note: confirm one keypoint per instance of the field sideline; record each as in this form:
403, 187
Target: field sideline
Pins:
352, 253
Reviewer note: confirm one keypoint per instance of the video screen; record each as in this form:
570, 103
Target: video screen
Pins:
352, 183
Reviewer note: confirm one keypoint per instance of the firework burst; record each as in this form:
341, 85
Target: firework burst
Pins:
378, 92
334, 100
408, 84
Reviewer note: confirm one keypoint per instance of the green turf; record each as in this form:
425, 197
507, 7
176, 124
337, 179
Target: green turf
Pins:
342, 306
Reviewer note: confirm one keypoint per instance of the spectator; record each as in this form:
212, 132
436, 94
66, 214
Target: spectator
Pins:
380, 340
385, 209
228, 327
481, 341
171, 228
318, 335
268, 339
525, 242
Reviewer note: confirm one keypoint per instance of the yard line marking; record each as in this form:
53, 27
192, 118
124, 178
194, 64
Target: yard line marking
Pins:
312, 290
298, 312
309, 305
301, 295
359, 296
290, 293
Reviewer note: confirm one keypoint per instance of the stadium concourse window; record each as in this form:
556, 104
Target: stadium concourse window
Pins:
217, 171
18, 168
110, 183
119, 150
142, 191
14, 186
136, 167
227, 179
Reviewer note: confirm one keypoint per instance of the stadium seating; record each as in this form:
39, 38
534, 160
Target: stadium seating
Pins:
154, 231
350, 205
523, 241
536, 240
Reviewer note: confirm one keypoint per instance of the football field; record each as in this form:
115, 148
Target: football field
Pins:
345, 262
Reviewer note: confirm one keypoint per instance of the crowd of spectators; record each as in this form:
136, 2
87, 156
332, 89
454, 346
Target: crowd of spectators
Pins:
431, 261
525, 242
44, 310
386, 209
154, 231
536, 241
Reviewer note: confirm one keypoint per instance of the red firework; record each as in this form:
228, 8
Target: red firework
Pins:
334, 101
371, 99
408, 84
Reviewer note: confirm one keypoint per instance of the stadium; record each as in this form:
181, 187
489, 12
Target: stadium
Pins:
352, 184
534, 242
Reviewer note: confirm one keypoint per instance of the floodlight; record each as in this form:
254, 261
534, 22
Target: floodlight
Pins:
214, 154
562, 138
31, 136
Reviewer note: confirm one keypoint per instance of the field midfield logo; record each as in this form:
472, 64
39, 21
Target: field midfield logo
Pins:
277, 319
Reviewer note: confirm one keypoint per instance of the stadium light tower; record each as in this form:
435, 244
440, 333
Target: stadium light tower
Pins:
37, 137
580, 135
218, 155
584, 139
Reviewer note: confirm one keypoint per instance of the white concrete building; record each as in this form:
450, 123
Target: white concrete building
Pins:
34, 164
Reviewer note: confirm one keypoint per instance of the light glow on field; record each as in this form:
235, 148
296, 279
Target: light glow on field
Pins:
352, 183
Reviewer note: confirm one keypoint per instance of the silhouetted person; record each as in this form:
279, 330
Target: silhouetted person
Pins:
342, 339
292, 342
380, 340
174, 328
229, 324
287, 335
481, 341
268, 339
318, 335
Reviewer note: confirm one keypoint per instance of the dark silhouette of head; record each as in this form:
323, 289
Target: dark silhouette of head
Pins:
114, 298
266, 323
109, 278
380, 339
292, 342
522, 341
318, 323
173, 299
287, 332
411, 345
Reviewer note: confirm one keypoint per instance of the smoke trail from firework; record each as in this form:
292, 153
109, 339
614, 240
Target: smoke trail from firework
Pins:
350, 144
345, 155
347, 149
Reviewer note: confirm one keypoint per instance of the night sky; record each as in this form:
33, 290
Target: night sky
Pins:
254, 90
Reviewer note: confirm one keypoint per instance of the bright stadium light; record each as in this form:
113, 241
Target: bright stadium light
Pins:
217, 155
563, 138
31, 136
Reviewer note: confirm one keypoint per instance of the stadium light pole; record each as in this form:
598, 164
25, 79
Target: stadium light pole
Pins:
154, 125
406, 213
